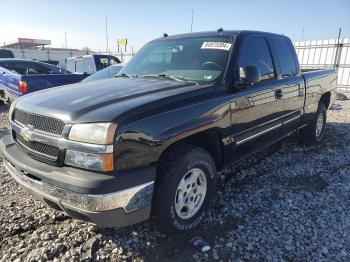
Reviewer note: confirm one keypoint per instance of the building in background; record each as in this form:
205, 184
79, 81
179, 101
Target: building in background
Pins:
26, 43
39, 50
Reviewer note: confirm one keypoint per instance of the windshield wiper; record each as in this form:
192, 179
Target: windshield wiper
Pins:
165, 76
126, 75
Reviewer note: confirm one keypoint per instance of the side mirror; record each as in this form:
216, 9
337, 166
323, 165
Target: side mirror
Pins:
249, 75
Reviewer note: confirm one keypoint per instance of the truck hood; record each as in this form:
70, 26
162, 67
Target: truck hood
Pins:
100, 101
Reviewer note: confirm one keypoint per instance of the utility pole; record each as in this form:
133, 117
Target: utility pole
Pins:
302, 34
106, 35
338, 51
65, 38
192, 11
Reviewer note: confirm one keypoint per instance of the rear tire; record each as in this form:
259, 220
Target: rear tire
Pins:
185, 186
314, 133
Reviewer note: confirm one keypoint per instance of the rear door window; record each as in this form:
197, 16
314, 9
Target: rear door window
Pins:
255, 52
6, 53
7, 65
286, 58
70, 65
79, 66
19, 68
88, 65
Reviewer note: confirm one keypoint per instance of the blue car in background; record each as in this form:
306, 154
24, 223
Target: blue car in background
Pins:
19, 77
108, 72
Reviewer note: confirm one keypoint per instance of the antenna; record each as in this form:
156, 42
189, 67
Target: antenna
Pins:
220, 31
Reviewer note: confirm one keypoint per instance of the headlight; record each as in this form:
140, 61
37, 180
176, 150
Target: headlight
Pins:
94, 149
94, 161
97, 133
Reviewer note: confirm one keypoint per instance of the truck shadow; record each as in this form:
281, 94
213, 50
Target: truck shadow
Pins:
145, 242
151, 245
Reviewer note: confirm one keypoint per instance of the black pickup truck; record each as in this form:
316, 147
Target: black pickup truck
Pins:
151, 141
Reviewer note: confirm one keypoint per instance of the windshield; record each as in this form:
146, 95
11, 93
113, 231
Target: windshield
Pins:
200, 59
104, 73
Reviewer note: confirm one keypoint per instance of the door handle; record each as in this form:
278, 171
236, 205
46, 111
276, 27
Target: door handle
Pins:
278, 93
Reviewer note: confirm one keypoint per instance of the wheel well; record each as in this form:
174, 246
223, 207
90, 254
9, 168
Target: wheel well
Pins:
208, 140
326, 99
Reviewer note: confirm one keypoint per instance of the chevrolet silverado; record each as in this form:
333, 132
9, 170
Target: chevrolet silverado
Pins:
151, 141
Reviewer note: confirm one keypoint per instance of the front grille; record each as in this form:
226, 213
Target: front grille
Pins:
39, 122
38, 147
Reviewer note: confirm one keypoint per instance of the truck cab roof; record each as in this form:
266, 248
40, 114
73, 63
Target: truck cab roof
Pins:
223, 32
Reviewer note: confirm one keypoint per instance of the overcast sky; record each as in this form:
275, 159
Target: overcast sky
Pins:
141, 21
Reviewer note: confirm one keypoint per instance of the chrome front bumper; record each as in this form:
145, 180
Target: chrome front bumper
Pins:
115, 199
130, 199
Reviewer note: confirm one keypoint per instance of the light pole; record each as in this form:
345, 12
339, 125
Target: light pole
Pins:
106, 35
302, 34
65, 38
192, 11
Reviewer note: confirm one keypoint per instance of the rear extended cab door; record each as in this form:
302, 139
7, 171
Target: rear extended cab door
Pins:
256, 109
292, 82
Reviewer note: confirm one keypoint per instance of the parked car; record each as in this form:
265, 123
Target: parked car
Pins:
19, 77
152, 140
108, 72
89, 64
4, 53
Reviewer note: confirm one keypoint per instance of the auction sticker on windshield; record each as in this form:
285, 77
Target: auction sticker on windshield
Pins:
216, 45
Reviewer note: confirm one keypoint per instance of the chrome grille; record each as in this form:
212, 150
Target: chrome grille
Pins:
37, 147
43, 123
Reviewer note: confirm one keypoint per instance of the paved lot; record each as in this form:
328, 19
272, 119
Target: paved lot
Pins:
292, 206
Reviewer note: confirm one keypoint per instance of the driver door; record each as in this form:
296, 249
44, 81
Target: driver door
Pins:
256, 109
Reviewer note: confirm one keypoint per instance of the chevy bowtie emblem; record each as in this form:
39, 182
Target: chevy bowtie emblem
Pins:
27, 133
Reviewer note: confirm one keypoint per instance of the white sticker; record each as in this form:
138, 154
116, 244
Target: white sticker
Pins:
216, 45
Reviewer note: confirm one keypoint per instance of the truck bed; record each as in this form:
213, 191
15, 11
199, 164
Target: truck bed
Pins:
317, 83
9, 82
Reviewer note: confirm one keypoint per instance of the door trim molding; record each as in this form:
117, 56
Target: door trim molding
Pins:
246, 139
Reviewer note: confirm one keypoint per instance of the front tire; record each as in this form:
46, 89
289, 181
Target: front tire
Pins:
185, 186
314, 133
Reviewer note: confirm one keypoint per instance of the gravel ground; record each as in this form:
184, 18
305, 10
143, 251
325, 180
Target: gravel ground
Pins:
292, 206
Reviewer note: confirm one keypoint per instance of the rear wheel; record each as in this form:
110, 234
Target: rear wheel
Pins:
186, 184
314, 133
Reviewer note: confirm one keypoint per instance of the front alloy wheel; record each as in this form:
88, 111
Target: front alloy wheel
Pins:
190, 193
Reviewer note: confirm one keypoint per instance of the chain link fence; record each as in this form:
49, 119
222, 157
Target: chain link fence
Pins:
325, 54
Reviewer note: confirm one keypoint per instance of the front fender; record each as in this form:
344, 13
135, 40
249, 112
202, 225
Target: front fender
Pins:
142, 143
